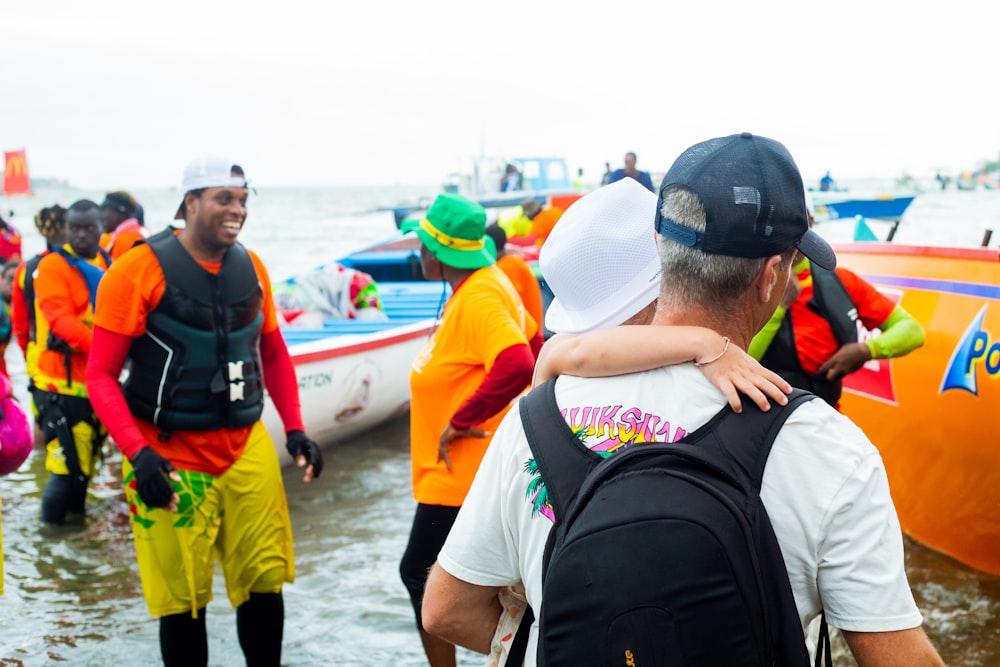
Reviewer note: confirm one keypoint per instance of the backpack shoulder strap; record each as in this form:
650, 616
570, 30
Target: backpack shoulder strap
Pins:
738, 444
563, 460
797, 398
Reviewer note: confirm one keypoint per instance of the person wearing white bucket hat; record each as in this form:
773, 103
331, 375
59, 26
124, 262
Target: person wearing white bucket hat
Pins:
602, 266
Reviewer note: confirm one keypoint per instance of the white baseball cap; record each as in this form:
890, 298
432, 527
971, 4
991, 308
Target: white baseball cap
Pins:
209, 172
600, 261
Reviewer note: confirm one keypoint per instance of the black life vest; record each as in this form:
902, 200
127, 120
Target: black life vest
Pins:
197, 367
831, 302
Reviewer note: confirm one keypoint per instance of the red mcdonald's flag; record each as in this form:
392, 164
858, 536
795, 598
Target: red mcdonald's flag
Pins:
15, 173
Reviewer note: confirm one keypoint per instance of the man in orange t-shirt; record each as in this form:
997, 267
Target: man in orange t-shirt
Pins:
518, 271
193, 312
65, 285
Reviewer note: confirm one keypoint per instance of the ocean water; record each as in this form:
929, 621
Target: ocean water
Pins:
73, 595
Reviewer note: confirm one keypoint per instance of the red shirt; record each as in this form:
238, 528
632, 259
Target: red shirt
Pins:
814, 340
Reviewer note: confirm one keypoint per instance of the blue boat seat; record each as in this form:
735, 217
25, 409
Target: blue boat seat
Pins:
344, 327
404, 302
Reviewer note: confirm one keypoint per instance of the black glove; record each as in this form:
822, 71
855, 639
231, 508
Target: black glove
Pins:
300, 444
151, 481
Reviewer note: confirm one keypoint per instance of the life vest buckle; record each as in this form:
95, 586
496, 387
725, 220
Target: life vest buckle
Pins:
236, 392
235, 370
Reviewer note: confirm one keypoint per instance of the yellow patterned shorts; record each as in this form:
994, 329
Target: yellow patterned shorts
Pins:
239, 518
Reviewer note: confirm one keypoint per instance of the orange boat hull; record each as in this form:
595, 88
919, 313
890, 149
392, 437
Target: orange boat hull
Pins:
932, 413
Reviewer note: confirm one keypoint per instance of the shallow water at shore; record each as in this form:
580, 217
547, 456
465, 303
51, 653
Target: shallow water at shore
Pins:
73, 595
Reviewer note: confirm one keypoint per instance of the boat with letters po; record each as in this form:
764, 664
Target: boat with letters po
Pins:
932, 413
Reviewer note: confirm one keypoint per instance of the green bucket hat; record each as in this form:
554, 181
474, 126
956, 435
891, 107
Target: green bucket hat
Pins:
453, 230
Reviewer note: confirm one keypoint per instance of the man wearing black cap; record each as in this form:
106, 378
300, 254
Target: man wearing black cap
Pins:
122, 229
730, 217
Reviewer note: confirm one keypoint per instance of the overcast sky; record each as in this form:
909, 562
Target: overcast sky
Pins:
111, 93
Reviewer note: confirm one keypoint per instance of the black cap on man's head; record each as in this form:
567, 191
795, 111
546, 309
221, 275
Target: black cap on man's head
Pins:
753, 198
120, 201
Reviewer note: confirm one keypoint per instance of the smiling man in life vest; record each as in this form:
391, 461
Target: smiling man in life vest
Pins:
193, 311
65, 285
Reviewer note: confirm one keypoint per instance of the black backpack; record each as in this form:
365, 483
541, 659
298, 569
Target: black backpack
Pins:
662, 554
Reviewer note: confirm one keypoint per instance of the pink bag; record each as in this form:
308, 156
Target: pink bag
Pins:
16, 438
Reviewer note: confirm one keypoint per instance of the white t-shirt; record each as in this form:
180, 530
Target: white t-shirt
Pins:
825, 490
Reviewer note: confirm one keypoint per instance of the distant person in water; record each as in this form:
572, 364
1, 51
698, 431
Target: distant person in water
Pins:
827, 184
630, 171
607, 173
65, 285
122, 229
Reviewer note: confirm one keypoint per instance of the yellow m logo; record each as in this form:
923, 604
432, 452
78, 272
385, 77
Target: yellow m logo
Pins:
16, 165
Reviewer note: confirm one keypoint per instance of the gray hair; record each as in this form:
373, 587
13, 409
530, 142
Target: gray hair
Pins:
694, 278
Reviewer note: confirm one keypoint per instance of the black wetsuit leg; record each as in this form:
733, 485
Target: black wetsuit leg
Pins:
184, 640
63, 493
260, 625
431, 524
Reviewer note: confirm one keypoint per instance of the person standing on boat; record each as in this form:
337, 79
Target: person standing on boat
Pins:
476, 362
122, 229
192, 311
811, 339
65, 285
630, 171
607, 173
511, 181
826, 183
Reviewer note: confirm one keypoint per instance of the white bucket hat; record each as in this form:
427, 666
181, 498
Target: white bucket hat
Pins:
600, 261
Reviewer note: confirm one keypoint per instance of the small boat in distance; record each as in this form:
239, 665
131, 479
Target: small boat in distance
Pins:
484, 181
842, 205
